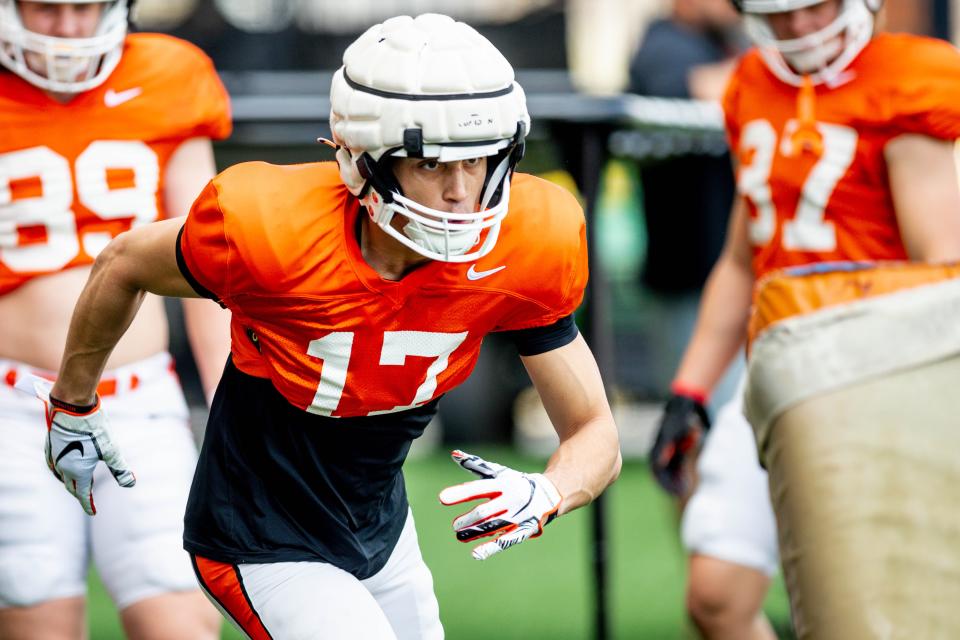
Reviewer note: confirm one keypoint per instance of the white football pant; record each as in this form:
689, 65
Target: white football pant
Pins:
310, 600
729, 516
135, 540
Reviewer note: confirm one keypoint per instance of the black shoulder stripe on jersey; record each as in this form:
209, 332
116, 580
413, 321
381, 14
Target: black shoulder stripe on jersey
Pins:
182, 265
532, 342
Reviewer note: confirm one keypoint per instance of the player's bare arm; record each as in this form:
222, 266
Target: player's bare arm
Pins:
718, 334
588, 458
139, 261
208, 326
722, 318
926, 196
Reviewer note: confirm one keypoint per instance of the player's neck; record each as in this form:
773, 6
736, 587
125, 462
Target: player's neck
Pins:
390, 259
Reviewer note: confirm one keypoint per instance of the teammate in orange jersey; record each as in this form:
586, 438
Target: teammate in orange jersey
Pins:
102, 132
844, 145
360, 292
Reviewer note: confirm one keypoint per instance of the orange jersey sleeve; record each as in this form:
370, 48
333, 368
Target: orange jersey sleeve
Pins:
258, 229
279, 247
546, 224
731, 96
74, 175
925, 98
811, 163
203, 248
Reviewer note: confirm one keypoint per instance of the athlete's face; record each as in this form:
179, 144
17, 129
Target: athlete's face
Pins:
452, 187
790, 25
61, 20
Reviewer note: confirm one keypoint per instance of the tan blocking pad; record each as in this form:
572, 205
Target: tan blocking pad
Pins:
780, 295
825, 350
865, 482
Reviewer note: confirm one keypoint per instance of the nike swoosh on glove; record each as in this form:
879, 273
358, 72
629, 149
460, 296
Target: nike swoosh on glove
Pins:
75, 443
518, 504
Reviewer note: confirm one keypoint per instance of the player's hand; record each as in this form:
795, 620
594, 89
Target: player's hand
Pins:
75, 443
682, 427
518, 505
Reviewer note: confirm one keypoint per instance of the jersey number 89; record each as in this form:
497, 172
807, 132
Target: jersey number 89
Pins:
52, 208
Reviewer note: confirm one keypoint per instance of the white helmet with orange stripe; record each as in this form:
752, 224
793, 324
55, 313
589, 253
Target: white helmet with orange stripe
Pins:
63, 63
821, 55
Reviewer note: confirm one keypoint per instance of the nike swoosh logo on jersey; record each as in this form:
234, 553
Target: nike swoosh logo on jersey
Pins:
473, 274
115, 98
76, 445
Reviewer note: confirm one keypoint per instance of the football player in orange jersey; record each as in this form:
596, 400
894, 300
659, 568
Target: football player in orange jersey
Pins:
102, 132
361, 291
844, 145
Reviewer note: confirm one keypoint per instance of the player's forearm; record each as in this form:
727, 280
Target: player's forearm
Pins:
105, 309
586, 463
721, 325
588, 458
208, 329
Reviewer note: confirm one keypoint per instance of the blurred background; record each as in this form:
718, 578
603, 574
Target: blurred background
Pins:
623, 99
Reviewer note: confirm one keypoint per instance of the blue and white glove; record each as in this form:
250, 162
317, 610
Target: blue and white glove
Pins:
518, 504
75, 443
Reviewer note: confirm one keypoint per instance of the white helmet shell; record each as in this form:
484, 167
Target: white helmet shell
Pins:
822, 55
427, 87
63, 65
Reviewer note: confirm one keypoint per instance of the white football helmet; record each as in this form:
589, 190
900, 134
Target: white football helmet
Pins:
428, 87
822, 55
70, 65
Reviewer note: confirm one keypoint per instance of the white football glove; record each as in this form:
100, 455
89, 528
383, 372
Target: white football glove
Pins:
518, 504
75, 443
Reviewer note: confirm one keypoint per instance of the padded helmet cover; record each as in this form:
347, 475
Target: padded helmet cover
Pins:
426, 87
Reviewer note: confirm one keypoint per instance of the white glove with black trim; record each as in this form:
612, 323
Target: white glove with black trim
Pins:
518, 504
75, 443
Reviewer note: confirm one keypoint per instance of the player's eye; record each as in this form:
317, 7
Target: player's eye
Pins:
429, 165
472, 162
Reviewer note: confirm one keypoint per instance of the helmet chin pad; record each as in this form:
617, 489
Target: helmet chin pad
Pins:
435, 234
813, 59
450, 242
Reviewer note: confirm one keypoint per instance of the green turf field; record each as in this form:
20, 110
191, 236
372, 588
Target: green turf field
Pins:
543, 588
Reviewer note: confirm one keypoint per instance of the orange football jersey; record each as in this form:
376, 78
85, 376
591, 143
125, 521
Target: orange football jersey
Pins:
73, 176
278, 246
811, 163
